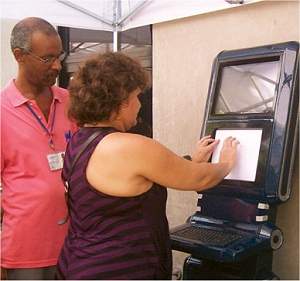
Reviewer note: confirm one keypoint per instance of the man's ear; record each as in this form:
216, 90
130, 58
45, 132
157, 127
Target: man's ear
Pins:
19, 55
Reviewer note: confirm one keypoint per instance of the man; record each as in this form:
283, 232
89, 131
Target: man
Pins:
34, 134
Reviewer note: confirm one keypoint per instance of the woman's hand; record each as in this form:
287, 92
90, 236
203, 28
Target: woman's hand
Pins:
204, 149
229, 152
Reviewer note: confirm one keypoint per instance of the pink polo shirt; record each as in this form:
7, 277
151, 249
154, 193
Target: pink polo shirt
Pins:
33, 195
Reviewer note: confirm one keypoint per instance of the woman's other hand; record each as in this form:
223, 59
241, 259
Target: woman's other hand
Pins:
229, 152
204, 148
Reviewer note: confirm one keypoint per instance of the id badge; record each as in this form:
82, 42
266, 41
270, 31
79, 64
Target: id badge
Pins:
56, 160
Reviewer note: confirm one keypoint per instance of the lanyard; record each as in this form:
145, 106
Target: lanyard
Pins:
49, 133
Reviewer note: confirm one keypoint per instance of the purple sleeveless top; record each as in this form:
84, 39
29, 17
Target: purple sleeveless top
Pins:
112, 237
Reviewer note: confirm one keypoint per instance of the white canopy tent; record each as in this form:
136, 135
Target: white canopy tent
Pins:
112, 15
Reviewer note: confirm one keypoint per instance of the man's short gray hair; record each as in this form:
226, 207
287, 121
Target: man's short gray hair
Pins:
23, 30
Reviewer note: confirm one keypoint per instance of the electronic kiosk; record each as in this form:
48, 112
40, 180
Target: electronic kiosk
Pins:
253, 96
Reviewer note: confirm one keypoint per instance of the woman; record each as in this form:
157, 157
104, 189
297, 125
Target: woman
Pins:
118, 225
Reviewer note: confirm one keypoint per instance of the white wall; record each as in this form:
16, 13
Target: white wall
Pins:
183, 52
8, 65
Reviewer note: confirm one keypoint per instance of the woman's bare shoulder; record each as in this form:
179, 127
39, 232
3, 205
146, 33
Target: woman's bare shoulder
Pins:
126, 142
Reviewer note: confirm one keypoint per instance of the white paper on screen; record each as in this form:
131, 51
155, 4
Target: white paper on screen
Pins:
247, 152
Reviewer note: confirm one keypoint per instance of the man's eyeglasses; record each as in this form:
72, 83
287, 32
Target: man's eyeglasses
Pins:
48, 60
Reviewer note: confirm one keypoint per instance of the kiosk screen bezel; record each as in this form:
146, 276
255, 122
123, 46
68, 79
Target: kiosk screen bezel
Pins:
266, 127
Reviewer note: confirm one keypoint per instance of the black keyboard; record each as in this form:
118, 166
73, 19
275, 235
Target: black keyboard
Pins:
208, 236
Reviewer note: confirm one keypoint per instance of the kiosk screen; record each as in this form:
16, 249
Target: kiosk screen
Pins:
247, 153
247, 88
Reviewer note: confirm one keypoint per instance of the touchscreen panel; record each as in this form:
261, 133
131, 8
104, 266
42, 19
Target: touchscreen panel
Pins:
247, 152
247, 88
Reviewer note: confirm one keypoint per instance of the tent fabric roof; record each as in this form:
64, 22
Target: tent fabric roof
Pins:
111, 15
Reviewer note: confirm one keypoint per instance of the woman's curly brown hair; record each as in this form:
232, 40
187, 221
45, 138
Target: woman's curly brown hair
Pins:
101, 85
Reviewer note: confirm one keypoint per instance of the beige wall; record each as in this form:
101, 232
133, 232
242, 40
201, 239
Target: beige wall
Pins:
183, 52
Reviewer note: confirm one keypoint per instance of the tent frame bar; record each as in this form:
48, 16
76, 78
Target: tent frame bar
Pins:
116, 24
139, 6
86, 12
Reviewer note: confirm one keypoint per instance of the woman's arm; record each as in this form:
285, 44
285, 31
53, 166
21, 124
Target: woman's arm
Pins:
127, 164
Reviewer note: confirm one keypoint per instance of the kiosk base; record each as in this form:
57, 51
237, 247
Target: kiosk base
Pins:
254, 268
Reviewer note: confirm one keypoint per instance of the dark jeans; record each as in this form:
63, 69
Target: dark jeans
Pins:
42, 273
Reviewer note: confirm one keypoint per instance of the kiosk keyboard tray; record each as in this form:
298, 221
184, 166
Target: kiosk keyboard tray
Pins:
208, 236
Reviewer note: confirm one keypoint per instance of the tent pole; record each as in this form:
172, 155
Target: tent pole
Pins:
115, 40
116, 33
